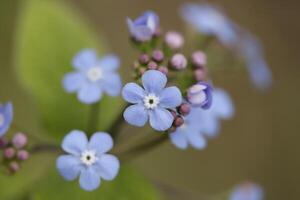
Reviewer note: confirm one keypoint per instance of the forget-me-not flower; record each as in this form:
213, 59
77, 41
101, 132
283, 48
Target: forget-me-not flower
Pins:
153, 102
200, 95
88, 159
144, 27
200, 124
212, 21
247, 191
93, 76
6, 116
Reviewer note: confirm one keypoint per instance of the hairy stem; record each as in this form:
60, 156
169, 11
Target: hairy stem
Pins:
93, 118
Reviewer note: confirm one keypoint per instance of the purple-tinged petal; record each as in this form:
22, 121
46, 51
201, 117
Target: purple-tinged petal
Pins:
85, 59
68, 166
179, 139
154, 81
111, 84
100, 142
133, 93
6, 112
73, 81
109, 63
89, 93
170, 97
75, 142
108, 166
136, 115
89, 179
160, 119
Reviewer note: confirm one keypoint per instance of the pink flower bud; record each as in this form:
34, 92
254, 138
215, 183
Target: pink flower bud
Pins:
164, 70
178, 61
19, 140
9, 152
14, 166
184, 109
144, 59
199, 59
158, 55
178, 121
152, 65
200, 74
174, 40
22, 155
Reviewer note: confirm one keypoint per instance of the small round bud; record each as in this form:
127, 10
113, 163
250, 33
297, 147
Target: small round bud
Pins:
200, 95
184, 109
144, 59
3, 142
178, 61
158, 55
19, 140
152, 65
14, 166
178, 121
199, 59
9, 152
23, 155
200, 74
174, 114
174, 40
163, 70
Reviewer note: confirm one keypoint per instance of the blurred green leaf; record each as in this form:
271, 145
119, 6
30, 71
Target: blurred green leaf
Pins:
31, 171
128, 185
48, 36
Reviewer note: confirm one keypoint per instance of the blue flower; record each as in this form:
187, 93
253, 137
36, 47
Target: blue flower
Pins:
87, 159
93, 76
200, 95
200, 124
247, 191
152, 103
144, 27
6, 116
211, 21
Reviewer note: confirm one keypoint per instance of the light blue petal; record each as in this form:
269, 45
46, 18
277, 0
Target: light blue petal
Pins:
100, 142
75, 142
222, 105
89, 179
136, 115
154, 81
109, 63
68, 166
133, 93
247, 191
7, 112
160, 119
170, 97
139, 32
85, 59
108, 166
196, 140
210, 125
73, 81
111, 84
89, 93
179, 139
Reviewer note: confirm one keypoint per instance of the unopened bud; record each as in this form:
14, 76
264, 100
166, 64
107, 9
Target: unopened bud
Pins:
174, 40
200, 74
184, 109
144, 59
152, 65
178, 121
158, 55
3, 142
19, 140
178, 61
199, 59
9, 152
200, 94
14, 166
163, 69
22, 155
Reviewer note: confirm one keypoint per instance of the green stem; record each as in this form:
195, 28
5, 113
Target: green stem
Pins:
93, 118
144, 147
45, 148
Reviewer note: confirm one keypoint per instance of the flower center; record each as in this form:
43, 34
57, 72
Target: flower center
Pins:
94, 74
2, 119
151, 101
88, 157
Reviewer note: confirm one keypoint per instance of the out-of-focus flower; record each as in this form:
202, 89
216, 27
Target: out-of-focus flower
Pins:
199, 123
199, 59
174, 40
247, 191
212, 21
6, 116
88, 159
178, 61
93, 76
200, 94
152, 102
144, 27
19, 140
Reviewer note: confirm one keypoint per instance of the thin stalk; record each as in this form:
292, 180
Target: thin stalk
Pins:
114, 129
38, 148
93, 118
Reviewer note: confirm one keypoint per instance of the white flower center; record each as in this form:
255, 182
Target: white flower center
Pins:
2, 119
151, 101
88, 157
94, 74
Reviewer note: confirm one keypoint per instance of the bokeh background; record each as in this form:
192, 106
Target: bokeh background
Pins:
261, 142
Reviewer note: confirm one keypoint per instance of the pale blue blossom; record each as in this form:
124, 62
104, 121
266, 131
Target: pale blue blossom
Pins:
247, 191
6, 117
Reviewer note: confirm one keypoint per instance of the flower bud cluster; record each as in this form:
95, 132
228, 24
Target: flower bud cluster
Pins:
14, 151
181, 111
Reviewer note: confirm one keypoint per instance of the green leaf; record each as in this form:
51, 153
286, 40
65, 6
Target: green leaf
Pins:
48, 36
128, 185
31, 171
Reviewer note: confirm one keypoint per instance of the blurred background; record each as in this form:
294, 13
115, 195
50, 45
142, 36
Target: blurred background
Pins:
261, 142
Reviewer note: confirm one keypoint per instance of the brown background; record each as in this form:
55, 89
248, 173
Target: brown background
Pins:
259, 144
